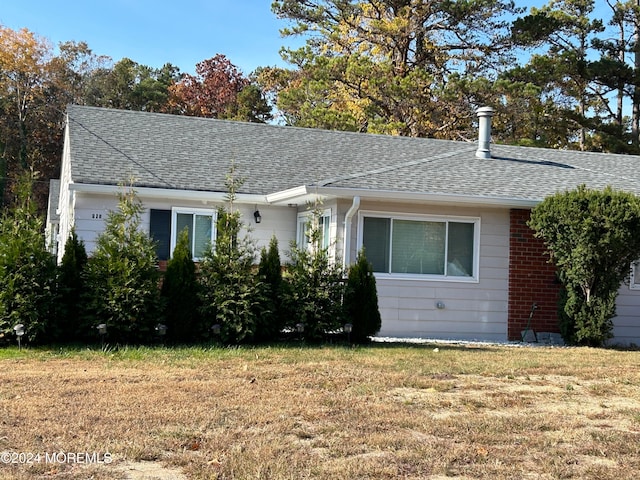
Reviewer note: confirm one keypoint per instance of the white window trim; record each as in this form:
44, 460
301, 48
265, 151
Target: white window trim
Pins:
427, 218
303, 217
193, 211
634, 283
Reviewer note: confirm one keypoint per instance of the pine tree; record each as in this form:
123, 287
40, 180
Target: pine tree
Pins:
314, 286
71, 286
180, 291
361, 300
122, 277
231, 292
270, 274
27, 269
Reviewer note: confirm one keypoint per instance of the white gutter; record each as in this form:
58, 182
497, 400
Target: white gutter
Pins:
347, 229
168, 193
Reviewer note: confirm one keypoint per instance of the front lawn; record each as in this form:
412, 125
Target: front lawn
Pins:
386, 411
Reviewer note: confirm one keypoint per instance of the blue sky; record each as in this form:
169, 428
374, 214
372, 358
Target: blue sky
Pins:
154, 32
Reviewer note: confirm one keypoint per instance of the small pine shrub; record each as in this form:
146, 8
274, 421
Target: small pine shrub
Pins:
315, 287
180, 292
361, 300
231, 295
27, 270
122, 278
272, 320
71, 285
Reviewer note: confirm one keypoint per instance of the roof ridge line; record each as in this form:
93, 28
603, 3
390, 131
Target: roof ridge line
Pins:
390, 168
606, 173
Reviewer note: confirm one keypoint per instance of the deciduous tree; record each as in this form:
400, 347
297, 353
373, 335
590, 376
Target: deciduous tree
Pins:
219, 90
24, 57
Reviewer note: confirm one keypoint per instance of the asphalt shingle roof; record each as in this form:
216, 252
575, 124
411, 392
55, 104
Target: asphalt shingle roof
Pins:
167, 151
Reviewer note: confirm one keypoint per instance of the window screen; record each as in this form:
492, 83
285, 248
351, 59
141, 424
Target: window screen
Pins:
420, 247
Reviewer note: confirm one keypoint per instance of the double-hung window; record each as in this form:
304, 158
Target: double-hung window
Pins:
200, 224
422, 246
303, 234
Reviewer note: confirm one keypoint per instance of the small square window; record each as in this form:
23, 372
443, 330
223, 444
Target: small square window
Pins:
201, 227
302, 234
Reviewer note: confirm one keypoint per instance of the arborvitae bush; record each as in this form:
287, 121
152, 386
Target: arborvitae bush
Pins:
315, 289
272, 320
71, 287
180, 292
232, 296
361, 300
592, 237
122, 277
27, 270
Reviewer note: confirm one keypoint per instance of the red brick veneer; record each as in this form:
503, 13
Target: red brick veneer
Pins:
531, 280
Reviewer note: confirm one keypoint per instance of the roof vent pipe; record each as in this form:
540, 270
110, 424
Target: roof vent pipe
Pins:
484, 132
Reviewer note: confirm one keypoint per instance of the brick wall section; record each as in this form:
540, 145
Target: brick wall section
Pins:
531, 280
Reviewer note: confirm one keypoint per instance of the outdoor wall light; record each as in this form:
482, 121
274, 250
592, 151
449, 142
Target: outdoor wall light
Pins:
19, 329
257, 216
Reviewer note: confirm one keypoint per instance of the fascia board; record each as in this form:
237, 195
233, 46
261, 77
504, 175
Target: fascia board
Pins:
168, 193
297, 193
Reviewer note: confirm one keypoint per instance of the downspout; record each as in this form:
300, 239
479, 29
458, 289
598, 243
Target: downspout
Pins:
347, 230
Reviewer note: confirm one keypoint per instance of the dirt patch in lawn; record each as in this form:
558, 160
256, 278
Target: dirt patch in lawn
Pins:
149, 471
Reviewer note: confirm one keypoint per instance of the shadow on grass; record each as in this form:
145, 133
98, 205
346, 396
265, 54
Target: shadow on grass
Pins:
337, 343
212, 348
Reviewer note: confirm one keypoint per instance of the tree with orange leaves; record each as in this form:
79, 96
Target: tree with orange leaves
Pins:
219, 90
23, 71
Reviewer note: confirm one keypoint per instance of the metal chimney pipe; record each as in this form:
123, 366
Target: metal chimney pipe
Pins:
484, 132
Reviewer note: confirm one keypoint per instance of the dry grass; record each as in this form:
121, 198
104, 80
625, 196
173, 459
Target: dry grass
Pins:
383, 412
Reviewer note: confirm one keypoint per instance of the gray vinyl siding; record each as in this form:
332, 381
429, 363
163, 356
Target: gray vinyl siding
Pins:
472, 310
279, 221
626, 324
